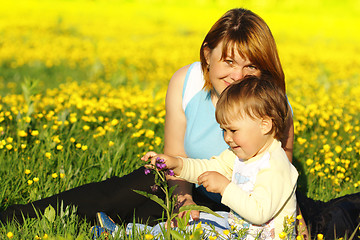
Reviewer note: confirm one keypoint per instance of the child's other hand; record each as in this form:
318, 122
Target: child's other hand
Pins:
213, 181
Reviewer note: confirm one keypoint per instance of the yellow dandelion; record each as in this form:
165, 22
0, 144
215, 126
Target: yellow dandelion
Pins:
62, 175
48, 155
299, 237
299, 217
9, 139
37, 237
309, 161
282, 235
111, 143
78, 145
29, 182
86, 128
54, 175
114, 122
45, 236
320, 236
212, 237
198, 225
27, 171
10, 235
36, 179
34, 133
72, 140
226, 232
338, 149
22, 133
23, 146
140, 144
84, 147
59, 147
149, 236
9, 146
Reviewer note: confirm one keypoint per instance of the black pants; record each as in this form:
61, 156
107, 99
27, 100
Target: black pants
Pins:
114, 196
335, 218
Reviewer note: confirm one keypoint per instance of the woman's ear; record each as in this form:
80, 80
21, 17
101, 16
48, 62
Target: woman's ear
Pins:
266, 125
207, 53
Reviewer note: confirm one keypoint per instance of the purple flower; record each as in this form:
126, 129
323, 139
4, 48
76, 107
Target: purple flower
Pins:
170, 172
147, 171
160, 166
154, 188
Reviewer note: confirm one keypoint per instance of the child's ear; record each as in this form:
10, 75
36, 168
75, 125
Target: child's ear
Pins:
266, 125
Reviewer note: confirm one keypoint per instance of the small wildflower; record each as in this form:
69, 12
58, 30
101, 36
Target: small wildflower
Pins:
29, 182
23, 146
10, 235
27, 171
298, 217
114, 122
149, 236
34, 133
45, 236
62, 175
320, 236
282, 235
147, 171
299, 237
86, 127
111, 143
84, 147
9, 146
154, 188
212, 237
226, 232
54, 175
48, 155
35, 179
22, 133
78, 145
9, 139
72, 140
37, 237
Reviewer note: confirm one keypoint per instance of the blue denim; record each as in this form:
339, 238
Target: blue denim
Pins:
219, 225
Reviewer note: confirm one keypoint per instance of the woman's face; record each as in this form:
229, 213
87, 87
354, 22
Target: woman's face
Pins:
222, 72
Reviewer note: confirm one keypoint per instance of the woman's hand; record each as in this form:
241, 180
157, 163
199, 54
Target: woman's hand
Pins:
213, 182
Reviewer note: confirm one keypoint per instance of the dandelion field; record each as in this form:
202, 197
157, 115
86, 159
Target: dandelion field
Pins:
83, 83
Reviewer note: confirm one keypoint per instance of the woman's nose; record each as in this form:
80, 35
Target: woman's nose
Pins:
236, 74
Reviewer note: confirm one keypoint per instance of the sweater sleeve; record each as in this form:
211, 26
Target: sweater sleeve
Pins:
193, 168
273, 188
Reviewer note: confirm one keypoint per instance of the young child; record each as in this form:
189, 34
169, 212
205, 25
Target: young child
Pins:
254, 176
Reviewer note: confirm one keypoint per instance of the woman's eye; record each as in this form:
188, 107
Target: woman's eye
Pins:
253, 67
229, 61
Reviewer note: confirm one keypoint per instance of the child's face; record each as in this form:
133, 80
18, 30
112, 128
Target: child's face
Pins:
247, 137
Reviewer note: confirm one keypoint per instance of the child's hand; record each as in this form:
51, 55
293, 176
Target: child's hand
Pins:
213, 181
172, 163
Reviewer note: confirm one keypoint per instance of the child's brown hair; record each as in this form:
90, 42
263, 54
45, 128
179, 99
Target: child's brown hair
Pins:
257, 97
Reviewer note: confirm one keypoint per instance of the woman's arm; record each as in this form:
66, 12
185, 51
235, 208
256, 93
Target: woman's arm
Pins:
288, 141
175, 126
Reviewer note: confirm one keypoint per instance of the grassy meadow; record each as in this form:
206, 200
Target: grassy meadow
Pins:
83, 84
